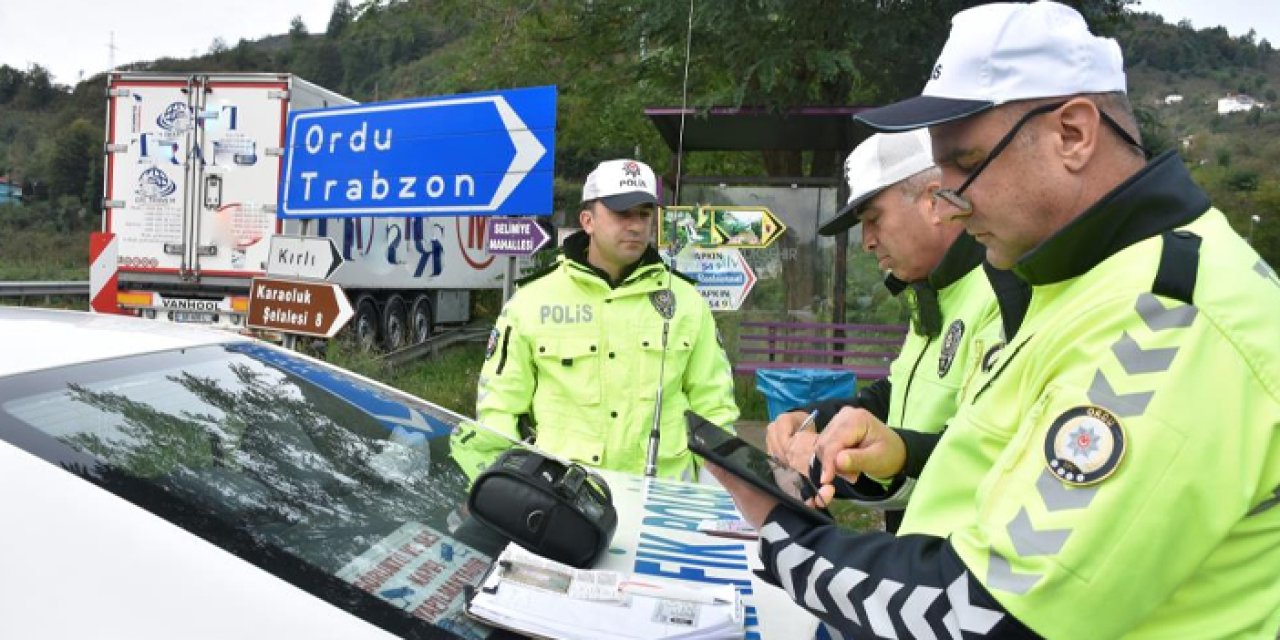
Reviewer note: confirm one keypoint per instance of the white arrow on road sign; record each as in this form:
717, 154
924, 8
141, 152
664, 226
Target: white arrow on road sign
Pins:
475, 154
302, 257
515, 236
317, 309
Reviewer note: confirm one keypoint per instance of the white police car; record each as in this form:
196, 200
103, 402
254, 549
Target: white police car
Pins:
160, 481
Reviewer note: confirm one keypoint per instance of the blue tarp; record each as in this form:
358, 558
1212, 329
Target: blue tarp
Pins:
785, 389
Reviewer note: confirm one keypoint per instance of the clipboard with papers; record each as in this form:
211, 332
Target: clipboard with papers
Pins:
529, 594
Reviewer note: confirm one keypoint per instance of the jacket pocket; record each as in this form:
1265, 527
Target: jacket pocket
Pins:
652, 355
569, 369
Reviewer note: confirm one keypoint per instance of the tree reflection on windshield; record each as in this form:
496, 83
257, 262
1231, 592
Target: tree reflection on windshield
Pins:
272, 451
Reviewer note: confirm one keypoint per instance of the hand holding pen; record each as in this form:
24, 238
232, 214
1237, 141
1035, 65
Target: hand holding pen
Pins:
783, 434
809, 421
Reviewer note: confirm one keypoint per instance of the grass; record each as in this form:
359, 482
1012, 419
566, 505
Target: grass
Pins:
448, 380
39, 255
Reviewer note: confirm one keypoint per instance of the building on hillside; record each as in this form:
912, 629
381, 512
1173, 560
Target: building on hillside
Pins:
1237, 102
9, 193
1173, 98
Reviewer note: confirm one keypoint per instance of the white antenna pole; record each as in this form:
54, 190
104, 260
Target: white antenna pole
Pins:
684, 102
111, 53
655, 431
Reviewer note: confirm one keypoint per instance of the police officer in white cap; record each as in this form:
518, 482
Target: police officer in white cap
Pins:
580, 350
954, 319
1116, 473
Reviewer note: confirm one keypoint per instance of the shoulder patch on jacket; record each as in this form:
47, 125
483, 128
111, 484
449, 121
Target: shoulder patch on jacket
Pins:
1084, 445
950, 344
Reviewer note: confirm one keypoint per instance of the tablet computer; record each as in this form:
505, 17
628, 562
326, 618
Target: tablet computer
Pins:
756, 467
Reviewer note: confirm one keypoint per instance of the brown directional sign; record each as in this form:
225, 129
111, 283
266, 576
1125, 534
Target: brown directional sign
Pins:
309, 308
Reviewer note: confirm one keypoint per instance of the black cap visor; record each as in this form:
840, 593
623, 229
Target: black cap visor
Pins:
624, 201
919, 112
849, 215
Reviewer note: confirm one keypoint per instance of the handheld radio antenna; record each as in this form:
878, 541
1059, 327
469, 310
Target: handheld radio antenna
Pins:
655, 431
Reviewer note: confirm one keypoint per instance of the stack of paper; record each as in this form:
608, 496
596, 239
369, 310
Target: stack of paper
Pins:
533, 595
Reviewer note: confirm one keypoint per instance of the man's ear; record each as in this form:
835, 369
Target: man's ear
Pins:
585, 220
1079, 127
928, 205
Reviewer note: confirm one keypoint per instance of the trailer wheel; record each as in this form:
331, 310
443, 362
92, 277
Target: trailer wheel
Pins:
420, 319
364, 325
395, 329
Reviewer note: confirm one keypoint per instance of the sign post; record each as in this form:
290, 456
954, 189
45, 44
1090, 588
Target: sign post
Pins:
313, 258
472, 154
515, 236
316, 309
723, 276
719, 226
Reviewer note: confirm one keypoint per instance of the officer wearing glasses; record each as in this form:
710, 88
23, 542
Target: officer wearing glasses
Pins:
1117, 472
893, 184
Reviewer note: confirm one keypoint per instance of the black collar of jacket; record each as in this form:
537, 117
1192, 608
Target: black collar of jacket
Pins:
1158, 198
575, 249
962, 257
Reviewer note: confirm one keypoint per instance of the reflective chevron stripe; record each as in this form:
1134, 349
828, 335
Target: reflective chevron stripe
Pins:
788, 559
1029, 541
820, 566
1129, 404
1000, 575
1058, 496
877, 597
1137, 360
914, 609
877, 607
1263, 269
968, 617
840, 588
1159, 318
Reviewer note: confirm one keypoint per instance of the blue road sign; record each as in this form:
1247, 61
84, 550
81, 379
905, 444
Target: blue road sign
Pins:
469, 154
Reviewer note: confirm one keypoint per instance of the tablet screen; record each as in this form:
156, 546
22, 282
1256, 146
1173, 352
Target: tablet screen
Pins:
753, 465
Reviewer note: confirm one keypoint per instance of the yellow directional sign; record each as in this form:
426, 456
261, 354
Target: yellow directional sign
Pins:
743, 227
684, 226
719, 226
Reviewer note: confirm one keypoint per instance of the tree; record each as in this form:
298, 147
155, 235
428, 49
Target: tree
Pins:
297, 30
36, 90
75, 167
339, 19
611, 58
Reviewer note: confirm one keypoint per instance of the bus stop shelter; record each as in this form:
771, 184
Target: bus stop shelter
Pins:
827, 133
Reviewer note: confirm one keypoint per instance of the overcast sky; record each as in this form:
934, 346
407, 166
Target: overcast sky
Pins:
73, 36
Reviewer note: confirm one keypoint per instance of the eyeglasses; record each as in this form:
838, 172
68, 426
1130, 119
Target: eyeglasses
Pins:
955, 197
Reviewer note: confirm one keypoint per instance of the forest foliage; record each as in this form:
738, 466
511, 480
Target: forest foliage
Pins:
612, 58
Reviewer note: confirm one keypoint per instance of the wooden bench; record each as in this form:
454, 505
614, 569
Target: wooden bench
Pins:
865, 349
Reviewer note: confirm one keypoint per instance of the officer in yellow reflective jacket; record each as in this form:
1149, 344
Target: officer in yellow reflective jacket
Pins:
954, 318
578, 350
1117, 473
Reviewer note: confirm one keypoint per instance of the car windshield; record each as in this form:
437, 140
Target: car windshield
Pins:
337, 485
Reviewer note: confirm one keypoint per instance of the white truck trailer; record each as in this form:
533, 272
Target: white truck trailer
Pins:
193, 164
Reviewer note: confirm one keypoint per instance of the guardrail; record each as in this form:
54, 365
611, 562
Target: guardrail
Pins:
25, 289
432, 346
